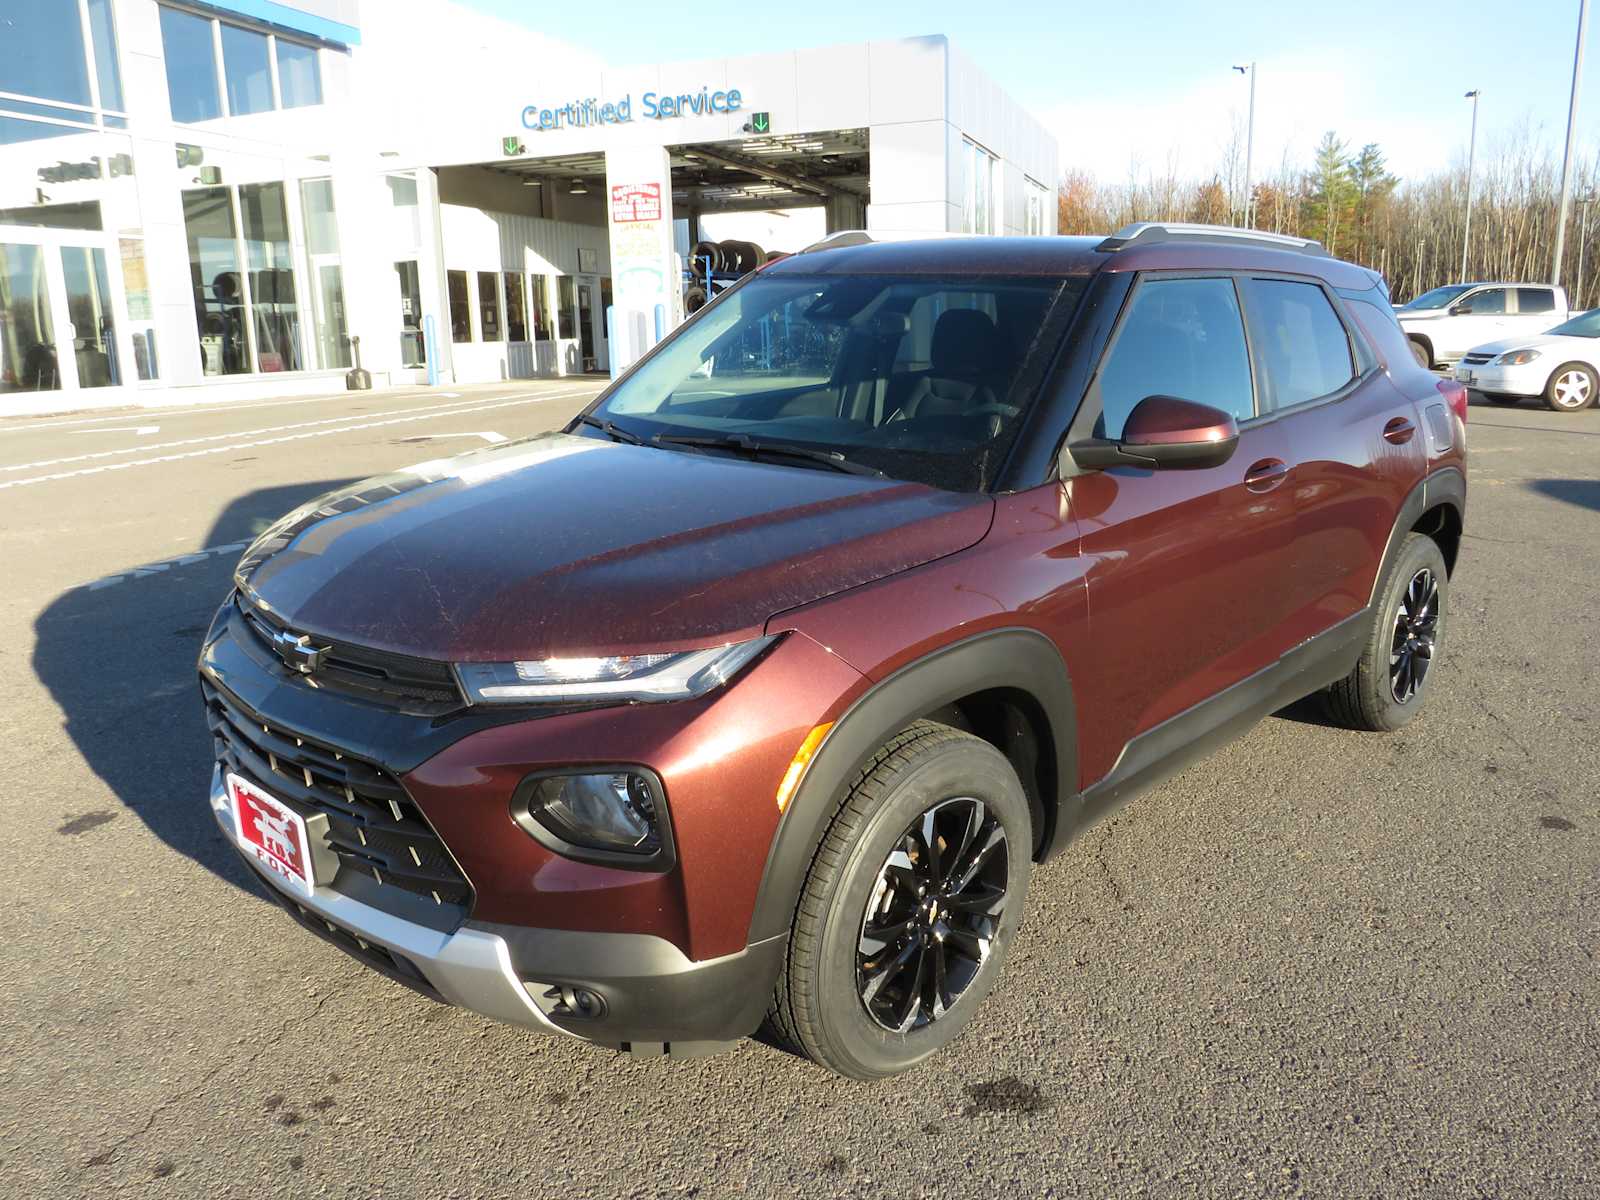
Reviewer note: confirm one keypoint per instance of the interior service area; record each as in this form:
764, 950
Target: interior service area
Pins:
255, 197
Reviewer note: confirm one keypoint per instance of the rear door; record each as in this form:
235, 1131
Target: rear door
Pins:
1353, 435
1536, 311
1183, 566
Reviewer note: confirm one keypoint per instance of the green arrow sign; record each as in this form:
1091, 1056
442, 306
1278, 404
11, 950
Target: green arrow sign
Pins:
761, 122
511, 145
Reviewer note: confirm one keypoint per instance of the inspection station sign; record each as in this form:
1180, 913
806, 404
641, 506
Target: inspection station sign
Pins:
653, 106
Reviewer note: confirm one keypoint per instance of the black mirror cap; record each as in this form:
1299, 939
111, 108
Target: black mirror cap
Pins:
1460, 310
1164, 433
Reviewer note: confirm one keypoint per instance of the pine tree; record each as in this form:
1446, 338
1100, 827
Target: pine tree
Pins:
1331, 193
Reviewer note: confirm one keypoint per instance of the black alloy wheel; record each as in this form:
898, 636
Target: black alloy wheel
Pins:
931, 919
1416, 628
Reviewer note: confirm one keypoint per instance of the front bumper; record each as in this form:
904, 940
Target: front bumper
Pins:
1526, 380
653, 999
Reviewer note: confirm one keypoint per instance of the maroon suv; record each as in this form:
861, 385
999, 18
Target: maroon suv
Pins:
755, 694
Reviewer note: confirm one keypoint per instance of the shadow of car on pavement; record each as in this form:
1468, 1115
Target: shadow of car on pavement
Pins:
118, 655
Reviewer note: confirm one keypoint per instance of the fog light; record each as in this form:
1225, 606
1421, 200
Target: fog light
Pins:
614, 811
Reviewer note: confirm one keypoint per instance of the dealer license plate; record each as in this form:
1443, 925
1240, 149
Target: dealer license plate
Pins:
273, 833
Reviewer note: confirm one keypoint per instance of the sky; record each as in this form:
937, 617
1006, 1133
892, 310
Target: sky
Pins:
1133, 87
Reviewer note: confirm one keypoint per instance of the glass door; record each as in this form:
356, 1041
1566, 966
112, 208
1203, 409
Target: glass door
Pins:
92, 327
586, 335
59, 316
29, 356
413, 346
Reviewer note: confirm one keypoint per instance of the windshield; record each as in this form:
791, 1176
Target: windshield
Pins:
913, 377
1584, 325
1439, 297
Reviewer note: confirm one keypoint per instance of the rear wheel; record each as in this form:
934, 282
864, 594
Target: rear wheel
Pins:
1389, 682
1572, 387
909, 906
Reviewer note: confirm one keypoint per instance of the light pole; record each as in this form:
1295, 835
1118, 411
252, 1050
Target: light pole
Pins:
1250, 137
1566, 157
1583, 238
1472, 150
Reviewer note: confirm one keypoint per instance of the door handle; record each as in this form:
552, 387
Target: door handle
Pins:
1399, 431
1266, 474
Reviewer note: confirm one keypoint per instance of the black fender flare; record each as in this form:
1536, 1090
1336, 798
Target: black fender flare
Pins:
1023, 660
1447, 485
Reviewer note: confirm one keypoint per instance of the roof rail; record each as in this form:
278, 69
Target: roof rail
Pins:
1151, 233
865, 237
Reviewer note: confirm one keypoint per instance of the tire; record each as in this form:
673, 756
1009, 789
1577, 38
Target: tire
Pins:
867, 1006
1376, 695
1422, 354
1501, 398
1572, 388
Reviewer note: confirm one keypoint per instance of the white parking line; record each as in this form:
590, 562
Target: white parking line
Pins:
270, 441
155, 568
175, 410
488, 435
136, 430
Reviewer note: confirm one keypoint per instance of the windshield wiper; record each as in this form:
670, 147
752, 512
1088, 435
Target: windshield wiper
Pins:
743, 441
613, 431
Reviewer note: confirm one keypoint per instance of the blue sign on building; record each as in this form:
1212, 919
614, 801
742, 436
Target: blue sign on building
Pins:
580, 114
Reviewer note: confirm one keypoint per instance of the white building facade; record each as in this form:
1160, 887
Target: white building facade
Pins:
246, 196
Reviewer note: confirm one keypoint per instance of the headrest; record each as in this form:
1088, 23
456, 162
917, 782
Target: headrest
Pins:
965, 342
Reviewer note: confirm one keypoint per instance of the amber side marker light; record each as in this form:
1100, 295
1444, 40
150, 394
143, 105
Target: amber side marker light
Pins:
797, 766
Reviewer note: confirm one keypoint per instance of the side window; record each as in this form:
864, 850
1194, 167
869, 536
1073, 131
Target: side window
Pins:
1490, 302
1302, 345
1183, 338
1535, 300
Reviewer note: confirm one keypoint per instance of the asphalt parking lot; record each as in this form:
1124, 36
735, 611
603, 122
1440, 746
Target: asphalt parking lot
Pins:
1321, 963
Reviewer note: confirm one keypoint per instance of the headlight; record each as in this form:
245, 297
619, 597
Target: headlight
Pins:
611, 811
1516, 358
642, 677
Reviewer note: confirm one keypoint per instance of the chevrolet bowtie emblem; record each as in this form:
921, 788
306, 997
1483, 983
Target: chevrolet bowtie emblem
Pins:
298, 652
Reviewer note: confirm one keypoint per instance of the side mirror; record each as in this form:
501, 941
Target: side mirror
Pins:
1460, 310
1164, 433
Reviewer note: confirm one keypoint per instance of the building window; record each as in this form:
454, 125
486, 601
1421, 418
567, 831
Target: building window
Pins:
1036, 197
299, 81
246, 298
248, 71
460, 306
218, 288
141, 312
489, 306
540, 291
47, 51
191, 59
978, 209
103, 36
245, 82
326, 273
567, 306
516, 309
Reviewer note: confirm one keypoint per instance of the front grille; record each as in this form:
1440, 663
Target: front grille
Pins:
1475, 360
373, 826
419, 685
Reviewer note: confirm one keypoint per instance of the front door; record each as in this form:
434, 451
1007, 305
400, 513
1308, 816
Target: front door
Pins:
1484, 319
60, 317
1182, 566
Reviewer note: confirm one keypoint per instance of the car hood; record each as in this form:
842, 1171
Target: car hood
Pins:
564, 545
1584, 347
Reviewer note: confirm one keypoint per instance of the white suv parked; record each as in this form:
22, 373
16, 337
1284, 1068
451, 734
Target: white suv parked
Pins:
1448, 321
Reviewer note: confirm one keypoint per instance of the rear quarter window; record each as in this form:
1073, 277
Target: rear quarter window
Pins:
1535, 300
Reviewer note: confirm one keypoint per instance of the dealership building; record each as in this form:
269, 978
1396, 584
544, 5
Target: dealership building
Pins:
247, 196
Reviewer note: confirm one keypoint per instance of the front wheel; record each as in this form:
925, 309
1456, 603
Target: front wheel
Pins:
1390, 680
909, 906
1420, 353
1572, 387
